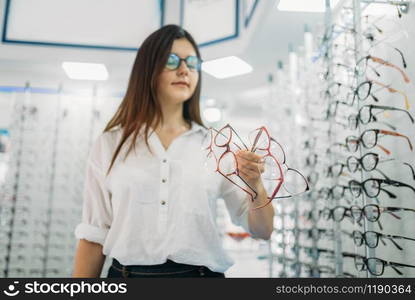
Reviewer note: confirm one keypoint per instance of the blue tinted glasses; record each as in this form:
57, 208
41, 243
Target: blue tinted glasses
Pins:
192, 62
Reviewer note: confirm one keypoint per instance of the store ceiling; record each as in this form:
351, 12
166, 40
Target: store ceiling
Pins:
42, 65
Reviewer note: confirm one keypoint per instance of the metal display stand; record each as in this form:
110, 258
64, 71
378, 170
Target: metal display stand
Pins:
353, 24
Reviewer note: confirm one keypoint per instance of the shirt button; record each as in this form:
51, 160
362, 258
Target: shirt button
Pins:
163, 202
164, 180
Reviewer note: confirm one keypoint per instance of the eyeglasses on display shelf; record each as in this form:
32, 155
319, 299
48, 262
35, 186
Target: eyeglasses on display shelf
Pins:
373, 186
36, 226
364, 90
363, 63
369, 162
338, 213
369, 139
366, 115
372, 213
371, 239
376, 266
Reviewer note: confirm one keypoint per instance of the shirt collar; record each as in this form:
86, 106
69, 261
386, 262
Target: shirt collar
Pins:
195, 128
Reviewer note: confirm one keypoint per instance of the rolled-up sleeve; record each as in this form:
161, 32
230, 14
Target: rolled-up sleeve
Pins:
97, 209
236, 202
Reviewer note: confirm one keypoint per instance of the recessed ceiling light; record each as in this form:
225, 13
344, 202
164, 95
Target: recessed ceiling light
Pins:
212, 114
226, 67
380, 9
85, 71
305, 5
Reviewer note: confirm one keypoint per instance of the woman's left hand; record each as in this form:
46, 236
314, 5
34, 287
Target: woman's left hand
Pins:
250, 167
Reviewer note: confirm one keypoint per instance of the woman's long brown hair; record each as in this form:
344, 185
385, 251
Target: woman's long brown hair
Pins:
140, 106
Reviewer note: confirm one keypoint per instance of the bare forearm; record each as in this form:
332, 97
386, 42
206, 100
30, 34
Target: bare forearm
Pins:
89, 260
261, 221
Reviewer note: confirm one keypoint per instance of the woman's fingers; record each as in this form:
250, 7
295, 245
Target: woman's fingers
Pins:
247, 174
249, 161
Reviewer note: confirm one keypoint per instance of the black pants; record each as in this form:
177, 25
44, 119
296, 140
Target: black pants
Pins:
169, 269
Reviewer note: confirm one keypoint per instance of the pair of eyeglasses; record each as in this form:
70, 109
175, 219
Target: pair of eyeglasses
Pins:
373, 186
372, 212
321, 271
369, 139
337, 88
313, 233
368, 162
362, 65
335, 192
370, 36
315, 252
193, 62
364, 90
320, 233
337, 213
366, 115
376, 266
335, 169
371, 238
331, 111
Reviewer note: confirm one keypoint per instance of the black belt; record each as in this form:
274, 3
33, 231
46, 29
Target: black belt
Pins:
168, 268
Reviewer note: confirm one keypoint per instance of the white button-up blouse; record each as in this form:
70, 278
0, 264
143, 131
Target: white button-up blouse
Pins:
154, 207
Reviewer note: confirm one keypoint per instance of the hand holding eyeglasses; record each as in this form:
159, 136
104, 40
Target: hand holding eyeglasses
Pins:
250, 167
259, 168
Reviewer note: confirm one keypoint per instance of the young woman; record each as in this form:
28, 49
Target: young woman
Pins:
149, 203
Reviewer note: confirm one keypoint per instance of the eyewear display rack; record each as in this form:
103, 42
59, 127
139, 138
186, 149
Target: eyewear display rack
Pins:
51, 132
331, 249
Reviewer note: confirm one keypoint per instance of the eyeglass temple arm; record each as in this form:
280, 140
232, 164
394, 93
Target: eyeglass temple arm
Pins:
386, 124
393, 266
382, 173
282, 149
398, 183
405, 163
380, 225
234, 131
390, 238
391, 263
390, 210
249, 193
390, 194
386, 63
387, 152
387, 132
392, 214
393, 108
400, 237
393, 90
402, 57
381, 239
412, 169
272, 198
230, 138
